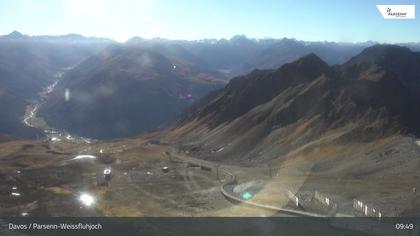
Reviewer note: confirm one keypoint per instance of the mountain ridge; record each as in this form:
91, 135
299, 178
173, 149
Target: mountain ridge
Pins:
125, 91
361, 110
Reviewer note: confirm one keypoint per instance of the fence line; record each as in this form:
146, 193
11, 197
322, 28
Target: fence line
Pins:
328, 202
323, 199
366, 210
293, 197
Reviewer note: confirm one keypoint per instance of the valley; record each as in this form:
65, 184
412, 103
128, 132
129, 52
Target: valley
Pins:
156, 129
46, 177
32, 119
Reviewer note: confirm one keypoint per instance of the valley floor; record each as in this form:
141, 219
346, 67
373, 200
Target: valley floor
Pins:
42, 178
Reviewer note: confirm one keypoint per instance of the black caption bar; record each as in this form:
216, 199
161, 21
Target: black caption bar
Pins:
186, 226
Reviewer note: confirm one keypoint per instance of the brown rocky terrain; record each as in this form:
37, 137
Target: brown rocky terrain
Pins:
342, 129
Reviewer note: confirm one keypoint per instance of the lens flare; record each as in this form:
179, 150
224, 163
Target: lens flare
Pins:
86, 199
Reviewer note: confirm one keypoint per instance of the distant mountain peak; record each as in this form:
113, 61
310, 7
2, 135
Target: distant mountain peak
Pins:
388, 56
16, 35
135, 40
310, 65
399, 63
310, 58
379, 52
240, 39
74, 36
239, 36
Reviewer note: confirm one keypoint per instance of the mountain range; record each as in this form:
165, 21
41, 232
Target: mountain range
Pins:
240, 55
122, 89
267, 114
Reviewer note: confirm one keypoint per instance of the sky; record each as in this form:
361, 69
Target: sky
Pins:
309, 20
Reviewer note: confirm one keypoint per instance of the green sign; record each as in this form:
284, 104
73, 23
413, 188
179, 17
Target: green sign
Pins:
246, 195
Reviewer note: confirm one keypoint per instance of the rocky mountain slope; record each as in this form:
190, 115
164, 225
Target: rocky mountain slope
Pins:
126, 90
272, 114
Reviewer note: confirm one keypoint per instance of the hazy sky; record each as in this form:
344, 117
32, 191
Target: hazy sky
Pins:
313, 20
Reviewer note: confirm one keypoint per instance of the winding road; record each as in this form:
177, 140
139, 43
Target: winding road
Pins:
227, 189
